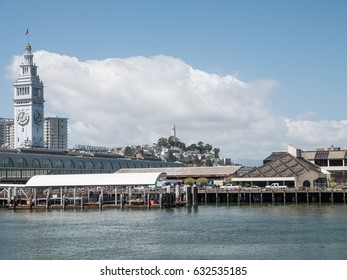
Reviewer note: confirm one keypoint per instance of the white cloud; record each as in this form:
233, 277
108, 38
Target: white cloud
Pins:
115, 102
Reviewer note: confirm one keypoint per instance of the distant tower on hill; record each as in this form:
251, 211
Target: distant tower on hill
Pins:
173, 131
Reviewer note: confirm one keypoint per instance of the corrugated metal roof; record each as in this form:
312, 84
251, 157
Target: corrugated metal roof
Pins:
109, 179
309, 155
274, 156
188, 171
337, 155
285, 166
322, 155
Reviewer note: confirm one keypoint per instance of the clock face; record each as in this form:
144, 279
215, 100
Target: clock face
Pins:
22, 118
37, 117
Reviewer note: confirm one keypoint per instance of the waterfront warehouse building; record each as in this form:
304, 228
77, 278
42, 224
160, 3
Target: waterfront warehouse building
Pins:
19, 165
287, 169
217, 175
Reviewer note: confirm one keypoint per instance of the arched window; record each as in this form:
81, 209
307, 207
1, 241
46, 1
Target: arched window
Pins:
80, 164
58, 164
70, 165
7, 162
90, 165
47, 164
124, 165
99, 165
109, 166
35, 163
22, 163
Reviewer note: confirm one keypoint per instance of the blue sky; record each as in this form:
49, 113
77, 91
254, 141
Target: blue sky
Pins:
299, 47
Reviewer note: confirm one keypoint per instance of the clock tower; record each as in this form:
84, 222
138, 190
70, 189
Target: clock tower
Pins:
28, 105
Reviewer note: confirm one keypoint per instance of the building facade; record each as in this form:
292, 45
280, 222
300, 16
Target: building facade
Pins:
28, 101
333, 160
6, 133
19, 165
55, 133
288, 168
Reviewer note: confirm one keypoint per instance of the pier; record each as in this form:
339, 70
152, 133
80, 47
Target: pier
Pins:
18, 197
260, 196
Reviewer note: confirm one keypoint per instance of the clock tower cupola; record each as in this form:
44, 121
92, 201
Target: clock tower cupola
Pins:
28, 104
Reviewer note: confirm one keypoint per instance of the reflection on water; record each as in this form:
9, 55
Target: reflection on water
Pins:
207, 232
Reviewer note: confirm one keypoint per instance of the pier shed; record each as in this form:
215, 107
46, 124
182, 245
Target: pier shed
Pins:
88, 180
81, 190
216, 174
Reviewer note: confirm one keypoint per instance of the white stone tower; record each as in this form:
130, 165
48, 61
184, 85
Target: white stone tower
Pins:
173, 131
28, 105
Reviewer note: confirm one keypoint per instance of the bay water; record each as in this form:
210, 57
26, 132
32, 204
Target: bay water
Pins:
215, 232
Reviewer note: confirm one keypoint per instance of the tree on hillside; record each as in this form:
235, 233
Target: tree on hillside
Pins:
192, 147
163, 142
208, 147
208, 162
216, 152
128, 152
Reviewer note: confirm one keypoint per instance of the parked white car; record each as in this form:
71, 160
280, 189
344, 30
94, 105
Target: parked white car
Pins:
230, 187
275, 186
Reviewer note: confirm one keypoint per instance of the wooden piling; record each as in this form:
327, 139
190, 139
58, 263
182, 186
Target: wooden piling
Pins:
320, 196
177, 194
195, 196
261, 197
161, 201
100, 201
61, 197
217, 196
115, 196
188, 196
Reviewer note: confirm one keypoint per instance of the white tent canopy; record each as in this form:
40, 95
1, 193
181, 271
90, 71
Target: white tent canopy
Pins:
109, 179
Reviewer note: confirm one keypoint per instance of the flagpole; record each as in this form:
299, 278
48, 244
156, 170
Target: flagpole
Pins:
27, 35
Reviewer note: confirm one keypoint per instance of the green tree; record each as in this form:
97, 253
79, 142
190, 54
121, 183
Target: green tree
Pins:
192, 147
208, 147
208, 162
172, 141
171, 157
202, 181
163, 142
128, 152
189, 181
216, 152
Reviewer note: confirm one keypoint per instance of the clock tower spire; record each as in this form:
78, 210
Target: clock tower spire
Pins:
28, 104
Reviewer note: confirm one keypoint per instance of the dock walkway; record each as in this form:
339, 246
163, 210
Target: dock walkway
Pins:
107, 197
